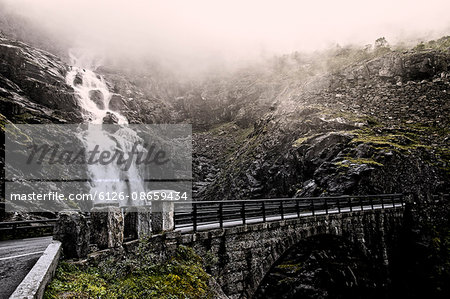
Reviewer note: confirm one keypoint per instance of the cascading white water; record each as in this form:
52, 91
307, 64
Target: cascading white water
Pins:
85, 81
110, 177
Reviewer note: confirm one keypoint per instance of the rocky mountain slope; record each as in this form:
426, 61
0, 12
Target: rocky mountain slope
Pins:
378, 126
280, 128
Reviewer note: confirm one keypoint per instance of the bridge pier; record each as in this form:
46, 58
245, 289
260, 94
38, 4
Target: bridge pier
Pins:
107, 227
137, 222
72, 230
162, 216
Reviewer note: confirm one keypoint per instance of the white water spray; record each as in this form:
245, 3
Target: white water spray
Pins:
111, 177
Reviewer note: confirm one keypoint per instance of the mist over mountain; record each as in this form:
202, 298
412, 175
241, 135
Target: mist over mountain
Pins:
198, 36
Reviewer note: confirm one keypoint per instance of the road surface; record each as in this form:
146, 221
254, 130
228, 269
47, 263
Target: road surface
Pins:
17, 257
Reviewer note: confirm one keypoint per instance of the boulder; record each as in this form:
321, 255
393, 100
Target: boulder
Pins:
97, 97
78, 80
110, 119
72, 229
117, 103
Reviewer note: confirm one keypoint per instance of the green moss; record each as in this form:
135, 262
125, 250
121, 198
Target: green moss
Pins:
302, 140
226, 127
405, 139
398, 140
231, 134
210, 259
3, 122
299, 141
182, 276
71, 204
443, 157
244, 153
421, 129
327, 113
440, 251
22, 118
342, 164
14, 132
359, 161
230, 128
71, 282
291, 267
349, 117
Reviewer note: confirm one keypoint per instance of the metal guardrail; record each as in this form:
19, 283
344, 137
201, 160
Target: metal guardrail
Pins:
19, 228
198, 213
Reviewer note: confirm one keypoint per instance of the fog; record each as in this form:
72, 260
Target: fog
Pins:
201, 31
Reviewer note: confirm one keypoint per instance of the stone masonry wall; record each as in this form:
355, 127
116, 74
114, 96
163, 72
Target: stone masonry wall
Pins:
243, 255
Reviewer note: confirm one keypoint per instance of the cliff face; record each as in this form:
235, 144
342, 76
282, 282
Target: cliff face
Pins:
375, 127
32, 85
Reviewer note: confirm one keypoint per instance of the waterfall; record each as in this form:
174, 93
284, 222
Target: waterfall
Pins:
94, 96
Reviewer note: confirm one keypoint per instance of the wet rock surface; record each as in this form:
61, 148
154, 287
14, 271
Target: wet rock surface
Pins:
133, 100
110, 118
97, 97
117, 103
31, 75
357, 131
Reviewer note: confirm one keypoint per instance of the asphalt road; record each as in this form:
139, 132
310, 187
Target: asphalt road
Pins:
17, 257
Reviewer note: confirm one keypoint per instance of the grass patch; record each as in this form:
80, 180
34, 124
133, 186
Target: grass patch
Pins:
182, 276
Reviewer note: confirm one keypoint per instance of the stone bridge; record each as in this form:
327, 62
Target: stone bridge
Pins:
244, 254
243, 239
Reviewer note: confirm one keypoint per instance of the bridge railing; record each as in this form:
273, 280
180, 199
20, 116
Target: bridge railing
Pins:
235, 212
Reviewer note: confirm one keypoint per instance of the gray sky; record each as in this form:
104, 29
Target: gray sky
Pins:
235, 29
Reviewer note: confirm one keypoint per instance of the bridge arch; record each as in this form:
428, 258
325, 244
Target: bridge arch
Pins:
323, 265
245, 254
